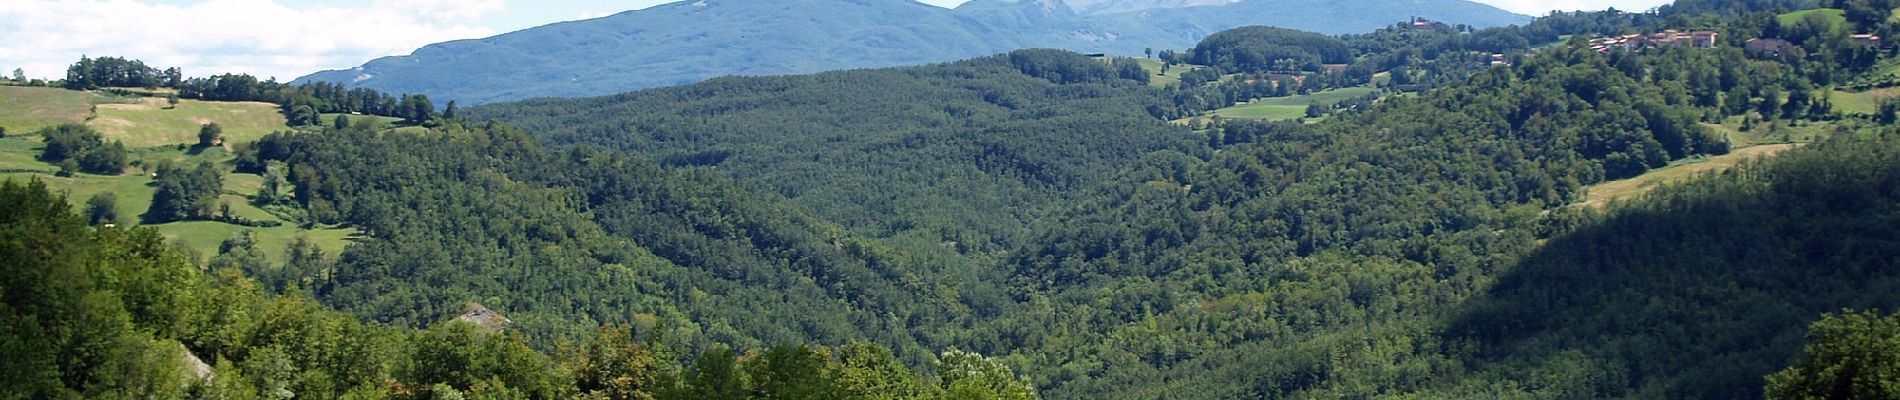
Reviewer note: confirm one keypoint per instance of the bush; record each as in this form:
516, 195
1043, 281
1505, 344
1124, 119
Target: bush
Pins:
102, 209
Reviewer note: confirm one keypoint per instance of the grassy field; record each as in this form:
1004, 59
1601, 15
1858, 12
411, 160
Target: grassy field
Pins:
27, 109
151, 122
134, 190
205, 236
1864, 103
1836, 17
1776, 133
1765, 140
1160, 79
1291, 107
1605, 193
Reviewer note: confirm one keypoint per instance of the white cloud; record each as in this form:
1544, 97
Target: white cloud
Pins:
259, 37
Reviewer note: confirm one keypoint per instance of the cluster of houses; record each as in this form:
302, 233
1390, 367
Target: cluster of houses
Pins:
1777, 48
1762, 47
1696, 39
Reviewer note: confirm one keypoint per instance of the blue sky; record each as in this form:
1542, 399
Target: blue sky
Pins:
290, 38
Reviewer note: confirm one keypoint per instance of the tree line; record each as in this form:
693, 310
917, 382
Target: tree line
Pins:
301, 104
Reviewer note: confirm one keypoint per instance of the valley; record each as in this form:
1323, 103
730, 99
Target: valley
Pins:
1570, 207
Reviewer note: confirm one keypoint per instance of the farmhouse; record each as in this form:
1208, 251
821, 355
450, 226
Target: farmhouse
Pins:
1768, 47
1867, 39
484, 317
1426, 24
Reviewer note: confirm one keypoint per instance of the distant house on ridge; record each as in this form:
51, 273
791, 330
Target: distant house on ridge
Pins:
1768, 47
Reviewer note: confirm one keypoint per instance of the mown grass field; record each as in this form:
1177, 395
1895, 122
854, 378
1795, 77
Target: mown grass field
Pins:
1863, 103
1604, 194
1291, 107
1837, 18
1159, 79
1767, 133
27, 109
152, 122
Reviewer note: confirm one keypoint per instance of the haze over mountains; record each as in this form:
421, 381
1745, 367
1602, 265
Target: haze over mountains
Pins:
690, 41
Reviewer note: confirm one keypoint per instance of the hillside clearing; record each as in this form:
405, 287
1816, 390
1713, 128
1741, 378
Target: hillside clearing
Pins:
135, 189
1161, 79
1290, 107
1605, 193
1862, 103
1836, 18
27, 109
152, 122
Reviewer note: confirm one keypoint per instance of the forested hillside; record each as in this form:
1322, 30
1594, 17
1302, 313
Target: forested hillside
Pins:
567, 239
115, 313
965, 153
1238, 265
1093, 223
1698, 290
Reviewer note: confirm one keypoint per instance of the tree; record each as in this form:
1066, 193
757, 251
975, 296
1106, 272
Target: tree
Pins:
791, 372
1889, 112
272, 189
341, 122
449, 113
1315, 110
302, 115
102, 208
67, 141
715, 376
171, 101
967, 375
19, 75
210, 134
1797, 104
67, 168
1851, 355
614, 366
865, 371
416, 109
104, 160
185, 193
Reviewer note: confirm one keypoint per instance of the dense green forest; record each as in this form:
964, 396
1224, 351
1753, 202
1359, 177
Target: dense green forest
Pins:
845, 229
565, 239
963, 153
116, 313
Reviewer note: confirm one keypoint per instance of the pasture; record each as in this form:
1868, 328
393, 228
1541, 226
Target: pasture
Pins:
1290, 107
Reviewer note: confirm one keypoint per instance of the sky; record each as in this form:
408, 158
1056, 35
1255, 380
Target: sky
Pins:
290, 38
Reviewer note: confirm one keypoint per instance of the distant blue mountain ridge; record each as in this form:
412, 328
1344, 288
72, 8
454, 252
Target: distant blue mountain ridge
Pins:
694, 40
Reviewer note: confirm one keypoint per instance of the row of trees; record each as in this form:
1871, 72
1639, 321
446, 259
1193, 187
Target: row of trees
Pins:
93, 73
301, 104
